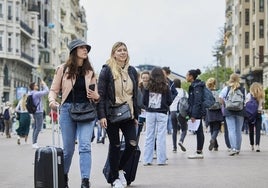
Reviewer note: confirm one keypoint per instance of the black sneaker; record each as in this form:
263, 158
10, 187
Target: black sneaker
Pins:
182, 147
174, 150
85, 183
211, 144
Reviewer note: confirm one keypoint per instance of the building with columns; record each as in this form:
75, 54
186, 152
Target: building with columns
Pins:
33, 40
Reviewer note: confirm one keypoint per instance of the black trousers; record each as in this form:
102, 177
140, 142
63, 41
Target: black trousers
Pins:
128, 129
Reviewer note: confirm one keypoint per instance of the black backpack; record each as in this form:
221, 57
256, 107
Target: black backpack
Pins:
30, 106
6, 114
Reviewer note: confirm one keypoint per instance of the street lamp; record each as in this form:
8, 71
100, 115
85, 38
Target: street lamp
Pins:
249, 78
218, 56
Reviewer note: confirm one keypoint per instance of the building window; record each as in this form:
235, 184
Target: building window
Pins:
246, 39
247, 16
261, 55
246, 60
261, 29
6, 81
253, 7
253, 31
17, 43
261, 5
1, 10
9, 42
9, 12
1, 40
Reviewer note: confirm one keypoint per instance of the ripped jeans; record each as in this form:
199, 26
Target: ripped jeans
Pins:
129, 131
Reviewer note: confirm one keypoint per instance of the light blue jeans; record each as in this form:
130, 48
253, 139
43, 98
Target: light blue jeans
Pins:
71, 130
156, 127
37, 126
234, 125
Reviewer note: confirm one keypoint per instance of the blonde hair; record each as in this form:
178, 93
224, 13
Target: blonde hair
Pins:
112, 63
256, 90
211, 83
234, 81
23, 102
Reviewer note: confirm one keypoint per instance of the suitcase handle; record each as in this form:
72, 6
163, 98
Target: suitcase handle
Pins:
54, 127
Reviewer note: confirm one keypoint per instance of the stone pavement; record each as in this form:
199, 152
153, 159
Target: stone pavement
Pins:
217, 169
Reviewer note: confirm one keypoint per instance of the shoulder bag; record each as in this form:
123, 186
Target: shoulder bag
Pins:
119, 113
82, 112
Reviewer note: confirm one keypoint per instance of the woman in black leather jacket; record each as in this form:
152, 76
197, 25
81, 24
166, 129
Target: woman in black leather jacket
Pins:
118, 83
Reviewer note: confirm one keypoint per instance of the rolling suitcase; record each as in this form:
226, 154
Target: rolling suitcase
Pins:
48, 164
132, 164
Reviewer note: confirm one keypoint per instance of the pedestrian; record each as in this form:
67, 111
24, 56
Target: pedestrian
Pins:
178, 122
143, 84
24, 119
195, 109
8, 119
256, 91
234, 119
2, 125
174, 93
118, 83
38, 115
73, 80
156, 99
214, 115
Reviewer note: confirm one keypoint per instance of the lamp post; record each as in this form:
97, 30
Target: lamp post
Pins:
218, 56
249, 78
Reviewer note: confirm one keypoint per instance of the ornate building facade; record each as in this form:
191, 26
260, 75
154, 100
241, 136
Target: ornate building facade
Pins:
33, 40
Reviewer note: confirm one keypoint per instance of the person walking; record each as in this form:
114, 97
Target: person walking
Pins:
256, 91
118, 83
214, 115
174, 93
24, 119
38, 115
234, 119
156, 99
176, 124
7, 116
73, 79
143, 84
195, 109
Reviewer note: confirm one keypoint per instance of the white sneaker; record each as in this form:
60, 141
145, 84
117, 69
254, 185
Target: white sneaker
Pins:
196, 156
122, 178
117, 184
35, 146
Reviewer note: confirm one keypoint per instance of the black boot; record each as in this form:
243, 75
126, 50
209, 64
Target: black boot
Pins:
85, 183
66, 179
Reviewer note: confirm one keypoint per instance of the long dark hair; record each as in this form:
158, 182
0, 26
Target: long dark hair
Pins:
74, 69
157, 82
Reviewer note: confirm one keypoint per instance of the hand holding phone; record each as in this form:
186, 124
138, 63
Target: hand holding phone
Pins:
91, 87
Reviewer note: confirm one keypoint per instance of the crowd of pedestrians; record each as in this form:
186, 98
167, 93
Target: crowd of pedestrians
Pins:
153, 100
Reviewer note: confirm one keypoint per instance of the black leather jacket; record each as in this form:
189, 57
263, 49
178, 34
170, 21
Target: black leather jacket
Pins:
106, 90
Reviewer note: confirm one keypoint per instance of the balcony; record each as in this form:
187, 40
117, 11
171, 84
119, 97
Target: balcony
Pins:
27, 57
26, 27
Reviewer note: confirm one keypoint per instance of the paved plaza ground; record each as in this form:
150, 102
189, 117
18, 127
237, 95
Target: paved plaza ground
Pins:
216, 170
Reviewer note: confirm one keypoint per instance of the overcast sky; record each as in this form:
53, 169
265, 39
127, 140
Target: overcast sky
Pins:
175, 33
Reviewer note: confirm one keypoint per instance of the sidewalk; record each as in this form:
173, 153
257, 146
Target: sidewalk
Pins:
217, 169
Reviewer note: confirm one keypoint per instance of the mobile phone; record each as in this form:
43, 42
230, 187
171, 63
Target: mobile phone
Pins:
92, 87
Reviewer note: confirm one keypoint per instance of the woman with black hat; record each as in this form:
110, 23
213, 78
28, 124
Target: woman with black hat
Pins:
73, 80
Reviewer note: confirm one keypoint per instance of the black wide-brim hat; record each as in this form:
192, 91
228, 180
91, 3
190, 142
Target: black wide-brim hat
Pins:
76, 43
